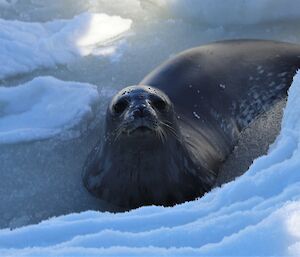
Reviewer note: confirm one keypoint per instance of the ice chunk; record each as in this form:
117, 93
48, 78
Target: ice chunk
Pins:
26, 46
44, 107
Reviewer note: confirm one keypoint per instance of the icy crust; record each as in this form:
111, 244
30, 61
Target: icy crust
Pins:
26, 46
45, 107
257, 214
208, 12
7, 3
232, 12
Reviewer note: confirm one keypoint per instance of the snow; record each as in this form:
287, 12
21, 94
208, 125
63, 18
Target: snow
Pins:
257, 214
233, 12
49, 107
26, 46
7, 3
209, 12
45, 47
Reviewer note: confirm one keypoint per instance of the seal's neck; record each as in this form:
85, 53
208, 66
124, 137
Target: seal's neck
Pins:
147, 171
147, 156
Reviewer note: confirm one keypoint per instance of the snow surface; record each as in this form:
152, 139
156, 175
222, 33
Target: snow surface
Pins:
233, 12
26, 46
257, 214
211, 12
45, 107
7, 3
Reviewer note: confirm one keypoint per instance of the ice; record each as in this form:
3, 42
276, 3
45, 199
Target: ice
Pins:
45, 107
233, 12
210, 12
7, 3
257, 214
26, 46
65, 114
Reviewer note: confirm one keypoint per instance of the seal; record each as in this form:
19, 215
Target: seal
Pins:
165, 139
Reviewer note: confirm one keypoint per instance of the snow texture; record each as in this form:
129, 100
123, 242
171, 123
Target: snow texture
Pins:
7, 3
45, 107
257, 214
26, 46
233, 12
209, 12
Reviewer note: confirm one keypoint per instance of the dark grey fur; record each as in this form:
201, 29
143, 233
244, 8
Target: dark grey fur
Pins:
164, 156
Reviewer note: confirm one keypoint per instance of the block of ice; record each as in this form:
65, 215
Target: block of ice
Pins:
44, 107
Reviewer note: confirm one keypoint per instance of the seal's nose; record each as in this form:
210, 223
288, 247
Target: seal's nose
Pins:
139, 111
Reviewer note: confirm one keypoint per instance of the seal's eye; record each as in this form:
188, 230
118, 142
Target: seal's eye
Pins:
120, 106
159, 104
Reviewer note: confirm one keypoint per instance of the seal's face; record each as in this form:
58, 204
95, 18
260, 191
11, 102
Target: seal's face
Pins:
143, 159
137, 111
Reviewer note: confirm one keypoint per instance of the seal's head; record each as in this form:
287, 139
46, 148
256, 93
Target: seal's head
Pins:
139, 113
143, 158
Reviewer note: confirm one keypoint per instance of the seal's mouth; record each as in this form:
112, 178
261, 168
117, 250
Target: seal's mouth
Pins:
141, 126
141, 129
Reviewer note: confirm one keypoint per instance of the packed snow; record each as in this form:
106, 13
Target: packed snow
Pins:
211, 12
234, 12
61, 61
257, 214
49, 107
26, 46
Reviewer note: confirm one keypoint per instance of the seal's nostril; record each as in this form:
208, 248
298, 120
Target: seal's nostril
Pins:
139, 111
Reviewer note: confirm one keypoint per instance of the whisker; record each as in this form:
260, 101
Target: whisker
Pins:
163, 136
171, 129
